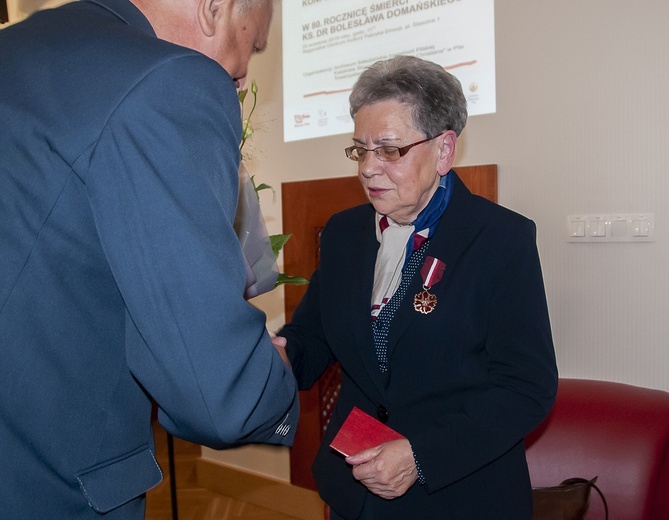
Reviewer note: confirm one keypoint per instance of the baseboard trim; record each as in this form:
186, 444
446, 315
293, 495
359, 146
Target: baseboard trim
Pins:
259, 490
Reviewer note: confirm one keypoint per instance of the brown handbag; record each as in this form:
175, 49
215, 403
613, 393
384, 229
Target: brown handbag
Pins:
568, 501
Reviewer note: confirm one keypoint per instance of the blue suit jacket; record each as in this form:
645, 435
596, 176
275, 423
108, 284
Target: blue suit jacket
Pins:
465, 382
121, 278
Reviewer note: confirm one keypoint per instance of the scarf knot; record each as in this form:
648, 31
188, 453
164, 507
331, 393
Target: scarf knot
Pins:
398, 242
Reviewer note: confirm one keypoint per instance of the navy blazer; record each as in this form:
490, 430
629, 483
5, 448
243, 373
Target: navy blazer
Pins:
465, 382
121, 277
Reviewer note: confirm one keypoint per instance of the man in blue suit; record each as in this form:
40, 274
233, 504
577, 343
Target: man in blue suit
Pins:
121, 277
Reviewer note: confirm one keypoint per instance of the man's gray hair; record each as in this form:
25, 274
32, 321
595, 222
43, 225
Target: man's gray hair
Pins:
246, 5
434, 95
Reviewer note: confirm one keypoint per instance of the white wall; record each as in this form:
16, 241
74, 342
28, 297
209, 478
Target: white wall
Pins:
19, 9
582, 126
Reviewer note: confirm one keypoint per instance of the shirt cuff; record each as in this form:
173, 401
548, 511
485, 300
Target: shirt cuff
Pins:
421, 477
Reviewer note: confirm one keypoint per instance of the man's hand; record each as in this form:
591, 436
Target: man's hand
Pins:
388, 470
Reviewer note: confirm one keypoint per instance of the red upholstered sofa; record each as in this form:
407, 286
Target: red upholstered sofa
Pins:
617, 432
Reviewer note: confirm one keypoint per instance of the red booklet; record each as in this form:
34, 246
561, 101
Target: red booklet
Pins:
361, 431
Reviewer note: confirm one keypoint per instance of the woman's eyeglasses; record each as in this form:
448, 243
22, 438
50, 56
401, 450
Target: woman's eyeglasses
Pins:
383, 153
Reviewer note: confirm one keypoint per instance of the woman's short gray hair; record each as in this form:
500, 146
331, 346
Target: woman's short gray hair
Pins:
434, 95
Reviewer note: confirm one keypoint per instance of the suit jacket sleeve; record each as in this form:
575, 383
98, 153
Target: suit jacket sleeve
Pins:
307, 346
162, 182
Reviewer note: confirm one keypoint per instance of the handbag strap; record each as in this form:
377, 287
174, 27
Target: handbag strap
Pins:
591, 483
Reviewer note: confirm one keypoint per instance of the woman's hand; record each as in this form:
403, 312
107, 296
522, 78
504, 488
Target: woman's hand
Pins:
279, 343
388, 470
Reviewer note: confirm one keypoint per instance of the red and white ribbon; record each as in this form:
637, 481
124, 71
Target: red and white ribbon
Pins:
432, 271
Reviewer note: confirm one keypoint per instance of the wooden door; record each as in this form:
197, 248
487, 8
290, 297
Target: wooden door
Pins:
306, 206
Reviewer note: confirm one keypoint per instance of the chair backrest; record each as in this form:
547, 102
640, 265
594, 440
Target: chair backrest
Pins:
617, 432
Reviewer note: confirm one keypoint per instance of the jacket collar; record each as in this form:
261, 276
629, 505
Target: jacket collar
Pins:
450, 240
127, 12
452, 237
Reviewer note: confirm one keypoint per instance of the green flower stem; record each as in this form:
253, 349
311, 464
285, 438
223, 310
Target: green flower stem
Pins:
254, 91
277, 241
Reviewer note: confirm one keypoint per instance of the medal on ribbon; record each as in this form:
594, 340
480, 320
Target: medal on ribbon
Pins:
432, 271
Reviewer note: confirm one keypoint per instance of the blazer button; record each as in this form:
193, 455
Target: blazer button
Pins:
382, 414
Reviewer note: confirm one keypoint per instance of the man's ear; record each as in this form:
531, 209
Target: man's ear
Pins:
207, 11
446, 151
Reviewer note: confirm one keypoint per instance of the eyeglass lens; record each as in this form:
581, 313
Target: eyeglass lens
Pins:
384, 153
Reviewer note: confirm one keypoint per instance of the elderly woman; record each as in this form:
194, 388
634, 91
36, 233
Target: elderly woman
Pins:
432, 301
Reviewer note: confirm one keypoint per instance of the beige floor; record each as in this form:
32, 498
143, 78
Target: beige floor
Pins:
193, 502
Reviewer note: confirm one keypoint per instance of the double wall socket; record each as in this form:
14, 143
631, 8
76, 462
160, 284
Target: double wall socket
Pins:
613, 227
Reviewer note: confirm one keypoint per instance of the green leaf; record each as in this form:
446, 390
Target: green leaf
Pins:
277, 242
241, 94
285, 279
264, 186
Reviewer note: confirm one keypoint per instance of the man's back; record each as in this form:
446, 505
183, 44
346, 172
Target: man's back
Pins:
98, 305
